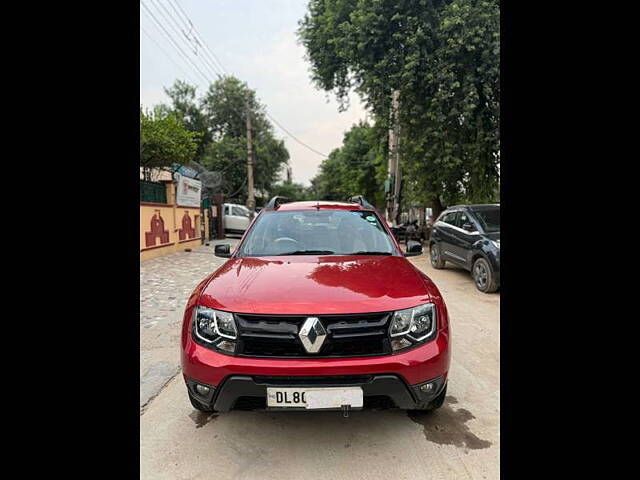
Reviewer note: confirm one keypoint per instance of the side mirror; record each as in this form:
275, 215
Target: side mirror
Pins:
413, 249
223, 250
468, 227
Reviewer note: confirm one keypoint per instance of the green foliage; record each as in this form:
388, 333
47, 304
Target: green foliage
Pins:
164, 140
443, 57
185, 106
220, 116
296, 192
354, 168
225, 107
453, 143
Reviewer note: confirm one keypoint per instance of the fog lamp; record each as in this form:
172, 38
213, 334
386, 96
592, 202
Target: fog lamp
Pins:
202, 390
427, 387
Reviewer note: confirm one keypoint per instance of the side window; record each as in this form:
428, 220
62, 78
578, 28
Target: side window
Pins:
462, 219
227, 209
238, 211
450, 218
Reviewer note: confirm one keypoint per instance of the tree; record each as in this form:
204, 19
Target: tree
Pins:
296, 192
453, 144
219, 116
225, 109
443, 58
163, 141
185, 107
354, 168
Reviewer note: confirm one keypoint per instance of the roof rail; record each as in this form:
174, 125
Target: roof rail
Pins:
275, 202
362, 201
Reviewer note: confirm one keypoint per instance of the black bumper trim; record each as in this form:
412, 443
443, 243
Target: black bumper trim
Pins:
403, 396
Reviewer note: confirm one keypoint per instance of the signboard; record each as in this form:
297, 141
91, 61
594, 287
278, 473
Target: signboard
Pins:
185, 171
188, 191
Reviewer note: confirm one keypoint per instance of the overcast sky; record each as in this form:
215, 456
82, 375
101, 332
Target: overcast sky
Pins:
254, 40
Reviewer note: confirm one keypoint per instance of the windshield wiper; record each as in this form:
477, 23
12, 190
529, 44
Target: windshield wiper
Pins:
370, 253
309, 252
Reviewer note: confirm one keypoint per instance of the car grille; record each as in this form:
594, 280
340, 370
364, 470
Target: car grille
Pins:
347, 335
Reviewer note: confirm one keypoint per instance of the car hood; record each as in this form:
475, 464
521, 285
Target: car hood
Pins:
305, 285
493, 236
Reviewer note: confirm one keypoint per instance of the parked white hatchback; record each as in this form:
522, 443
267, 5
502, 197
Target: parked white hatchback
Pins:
236, 218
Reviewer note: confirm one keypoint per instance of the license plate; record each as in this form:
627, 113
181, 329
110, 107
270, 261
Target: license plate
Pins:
312, 398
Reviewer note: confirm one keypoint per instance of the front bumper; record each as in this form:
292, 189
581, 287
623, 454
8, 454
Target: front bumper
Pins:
396, 377
380, 391
413, 366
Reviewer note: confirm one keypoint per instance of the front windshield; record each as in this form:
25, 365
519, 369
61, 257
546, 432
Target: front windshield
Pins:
317, 232
489, 219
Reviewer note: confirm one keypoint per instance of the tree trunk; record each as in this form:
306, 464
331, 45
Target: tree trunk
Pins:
437, 207
421, 216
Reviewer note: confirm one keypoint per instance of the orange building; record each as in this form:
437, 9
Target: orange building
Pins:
168, 227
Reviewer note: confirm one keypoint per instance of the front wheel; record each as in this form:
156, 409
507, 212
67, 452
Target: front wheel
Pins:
483, 276
436, 257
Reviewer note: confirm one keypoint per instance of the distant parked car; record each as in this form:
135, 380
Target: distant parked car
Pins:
236, 218
469, 236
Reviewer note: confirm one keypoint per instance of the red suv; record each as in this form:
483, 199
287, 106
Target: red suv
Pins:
316, 308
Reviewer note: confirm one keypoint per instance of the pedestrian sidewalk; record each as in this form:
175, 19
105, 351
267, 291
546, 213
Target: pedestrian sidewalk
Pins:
165, 285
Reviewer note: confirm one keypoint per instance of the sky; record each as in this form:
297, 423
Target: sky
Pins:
255, 41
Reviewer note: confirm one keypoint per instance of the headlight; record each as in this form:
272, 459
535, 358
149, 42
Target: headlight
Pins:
215, 327
413, 325
496, 243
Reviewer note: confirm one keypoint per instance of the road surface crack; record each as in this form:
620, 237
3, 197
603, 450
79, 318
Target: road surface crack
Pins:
144, 407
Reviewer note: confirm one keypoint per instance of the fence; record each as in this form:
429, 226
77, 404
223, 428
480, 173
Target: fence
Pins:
153, 192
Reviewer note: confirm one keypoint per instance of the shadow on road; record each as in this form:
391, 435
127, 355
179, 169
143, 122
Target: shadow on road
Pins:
306, 432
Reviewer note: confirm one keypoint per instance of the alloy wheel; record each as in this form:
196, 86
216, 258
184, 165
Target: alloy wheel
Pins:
481, 275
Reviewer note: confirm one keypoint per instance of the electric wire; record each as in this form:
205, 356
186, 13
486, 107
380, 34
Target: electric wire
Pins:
187, 75
180, 33
197, 34
168, 35
284, 129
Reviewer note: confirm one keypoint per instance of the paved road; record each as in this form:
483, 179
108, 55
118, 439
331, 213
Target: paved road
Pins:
165, 285
461, 440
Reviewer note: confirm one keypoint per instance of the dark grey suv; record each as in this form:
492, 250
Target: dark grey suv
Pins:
469, 236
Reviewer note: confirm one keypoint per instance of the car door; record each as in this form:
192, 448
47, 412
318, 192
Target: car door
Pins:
241, 216
462, 239
447, 230
229, 220
236, 218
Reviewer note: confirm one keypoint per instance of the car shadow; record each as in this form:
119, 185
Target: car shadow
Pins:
303, 434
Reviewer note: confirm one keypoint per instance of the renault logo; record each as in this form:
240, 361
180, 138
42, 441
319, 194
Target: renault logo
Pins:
312, 334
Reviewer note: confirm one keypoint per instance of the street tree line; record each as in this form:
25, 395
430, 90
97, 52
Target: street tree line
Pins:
211, 130
443, 57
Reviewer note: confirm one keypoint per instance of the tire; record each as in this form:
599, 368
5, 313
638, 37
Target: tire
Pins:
483, 276
434, 404
198, 405
437, 261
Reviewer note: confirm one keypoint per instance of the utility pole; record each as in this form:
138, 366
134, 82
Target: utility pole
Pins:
394, 179
251, 201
